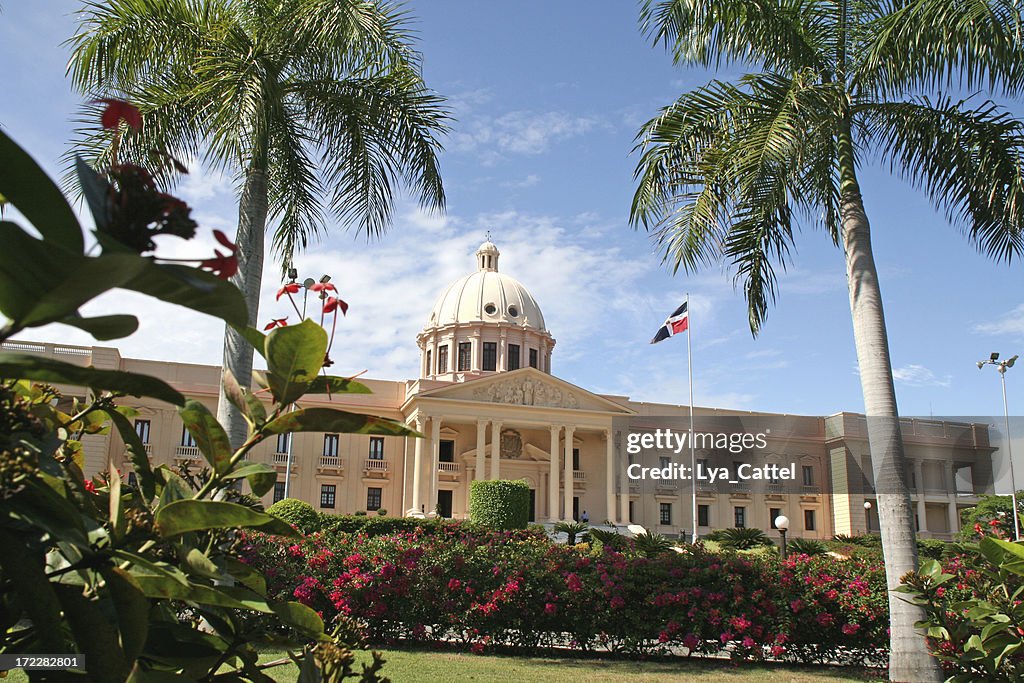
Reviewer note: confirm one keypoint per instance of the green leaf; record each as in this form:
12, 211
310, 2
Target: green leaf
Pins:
163, 587
96, 191
336, 385
209, 435
245, 575
182, 516
173, 487
116, 505
42, 283
103, 327
201, 565
261, 477
24, 184
336, 421
191, 288
43, 369
136, 453
131, 608
301, 617
295, 355
244, 400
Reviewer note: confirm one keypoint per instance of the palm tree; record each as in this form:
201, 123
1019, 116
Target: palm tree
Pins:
572, 530
317, 106
730, 169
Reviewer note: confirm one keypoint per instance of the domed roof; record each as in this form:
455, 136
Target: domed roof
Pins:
487, 296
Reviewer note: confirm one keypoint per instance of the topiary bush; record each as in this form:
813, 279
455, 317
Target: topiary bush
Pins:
298, 513
381, 512
500, 504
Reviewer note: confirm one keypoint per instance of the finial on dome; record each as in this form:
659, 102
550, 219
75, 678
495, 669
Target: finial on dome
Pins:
487, 255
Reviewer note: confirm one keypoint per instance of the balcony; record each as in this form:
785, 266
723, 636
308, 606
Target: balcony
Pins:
449, 470
579, 475
281, 459
329, 462
375, 468
187, 453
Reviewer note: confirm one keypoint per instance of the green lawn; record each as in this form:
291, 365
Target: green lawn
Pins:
412, 666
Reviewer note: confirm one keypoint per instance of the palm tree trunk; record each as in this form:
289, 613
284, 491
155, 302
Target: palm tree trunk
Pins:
252, 223
909, 659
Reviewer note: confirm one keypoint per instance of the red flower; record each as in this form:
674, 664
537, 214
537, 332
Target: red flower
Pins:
90, 486
223, 266
323, 287
276, 322
290, 288
117, 111
332, 303
850, 629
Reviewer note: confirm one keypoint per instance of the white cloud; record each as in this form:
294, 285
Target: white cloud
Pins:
914, 375
529, 181
1011, 324
519, 132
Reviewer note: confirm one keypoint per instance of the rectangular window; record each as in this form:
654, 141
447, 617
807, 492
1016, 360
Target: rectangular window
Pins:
442, 359
283, 441
703, 515
739, 515
809, 520
186, 437
373, 496
142, 429
735, 469
427, 372
808, 472
576, 459
514, 357
664, 461
446, 451
331, 445
533, 358
465, 354
490, 356
772, 514
632, 520
278, 491
376, 448
665, 510
327, 495
702, 466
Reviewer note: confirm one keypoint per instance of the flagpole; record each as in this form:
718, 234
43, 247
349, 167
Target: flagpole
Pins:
693, 452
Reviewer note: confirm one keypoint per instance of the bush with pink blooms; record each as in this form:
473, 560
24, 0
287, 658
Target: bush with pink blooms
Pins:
487, 588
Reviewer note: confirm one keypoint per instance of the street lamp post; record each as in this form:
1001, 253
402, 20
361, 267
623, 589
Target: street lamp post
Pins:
1001, 366
782, 524
867, 515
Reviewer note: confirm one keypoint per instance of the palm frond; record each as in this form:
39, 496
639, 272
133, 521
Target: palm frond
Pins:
925, 45
970, 160
723, 169
773, 34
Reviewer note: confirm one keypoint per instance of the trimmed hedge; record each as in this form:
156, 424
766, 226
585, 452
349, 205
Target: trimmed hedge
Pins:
500, 504
298, 513
378, 526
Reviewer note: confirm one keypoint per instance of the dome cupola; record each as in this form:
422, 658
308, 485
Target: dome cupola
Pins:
484, 322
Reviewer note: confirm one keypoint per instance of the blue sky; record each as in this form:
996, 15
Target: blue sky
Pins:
548, 97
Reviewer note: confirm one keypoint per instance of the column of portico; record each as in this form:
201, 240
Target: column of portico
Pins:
435, 458
624, 503
495, 450
610, 473
553, 476
481, 447
922, 511
954, 514
569, 488
417, 468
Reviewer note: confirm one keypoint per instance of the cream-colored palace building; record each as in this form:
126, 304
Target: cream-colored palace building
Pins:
491, 407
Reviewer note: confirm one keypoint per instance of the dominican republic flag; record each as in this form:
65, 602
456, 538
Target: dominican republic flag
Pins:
678, 322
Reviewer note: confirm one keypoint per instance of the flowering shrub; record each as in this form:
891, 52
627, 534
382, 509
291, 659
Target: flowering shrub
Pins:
485, 588
974, 612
